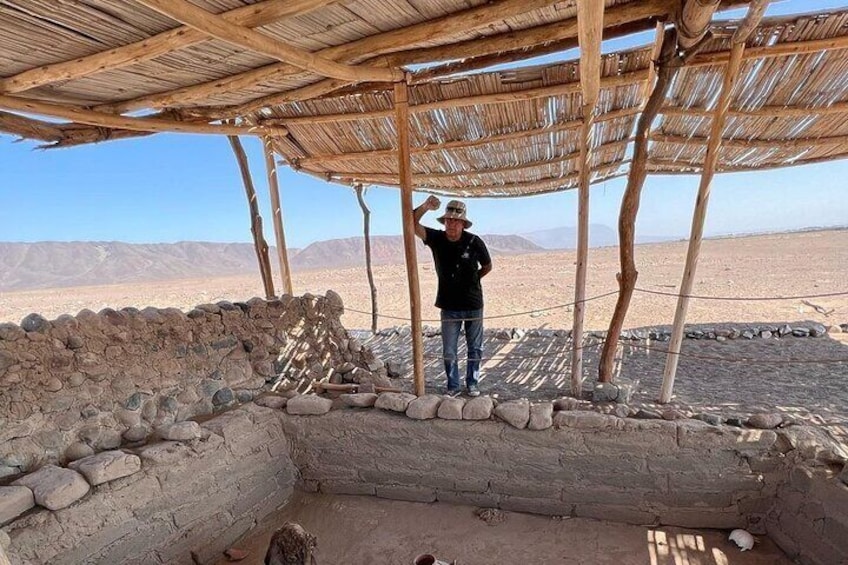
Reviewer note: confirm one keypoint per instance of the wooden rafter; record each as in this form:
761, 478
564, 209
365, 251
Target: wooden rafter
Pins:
693, 21
352, 52
479, 171
215, 26
90, 117
391, 180
794, 143
729, 81
481, 99
763, 111
254, 15
771, 51
328, 159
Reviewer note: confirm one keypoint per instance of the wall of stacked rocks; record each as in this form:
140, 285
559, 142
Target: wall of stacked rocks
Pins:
82, 384
174, 502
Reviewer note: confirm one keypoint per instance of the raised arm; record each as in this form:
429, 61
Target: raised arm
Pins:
432, 203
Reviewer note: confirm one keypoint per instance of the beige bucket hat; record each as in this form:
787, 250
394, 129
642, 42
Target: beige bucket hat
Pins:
455, 209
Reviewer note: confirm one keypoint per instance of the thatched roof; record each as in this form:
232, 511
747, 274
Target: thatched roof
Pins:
501, 133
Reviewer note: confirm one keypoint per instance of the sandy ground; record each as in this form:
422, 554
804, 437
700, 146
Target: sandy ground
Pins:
371, 531
761, 266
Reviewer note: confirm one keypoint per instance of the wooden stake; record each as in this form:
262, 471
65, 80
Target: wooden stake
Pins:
731, 74
277, 214
590, 24
366, 230
667, 68
259, 242
405, 169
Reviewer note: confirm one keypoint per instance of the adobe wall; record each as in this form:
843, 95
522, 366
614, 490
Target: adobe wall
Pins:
684, 473
809, 518
87, 383
189, 501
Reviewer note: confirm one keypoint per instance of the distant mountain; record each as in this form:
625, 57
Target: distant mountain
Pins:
81, 263
599, 236
388, 249
78, 263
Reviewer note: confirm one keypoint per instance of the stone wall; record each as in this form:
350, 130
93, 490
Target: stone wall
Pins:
189, 502
809, 520
684, 473
79, 385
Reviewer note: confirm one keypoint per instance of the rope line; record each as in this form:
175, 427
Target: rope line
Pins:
546, 309
742, 298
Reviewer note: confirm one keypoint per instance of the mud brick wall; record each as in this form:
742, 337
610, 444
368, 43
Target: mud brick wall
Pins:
684, 473
809, 520
91, 382
189, 502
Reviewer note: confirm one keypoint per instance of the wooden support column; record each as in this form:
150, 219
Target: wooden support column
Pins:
590, 26
405, 173
277, 213
731, 74
259, 242
667, 65
366, 231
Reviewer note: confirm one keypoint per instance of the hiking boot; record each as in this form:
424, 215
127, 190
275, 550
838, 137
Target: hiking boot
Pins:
473, 391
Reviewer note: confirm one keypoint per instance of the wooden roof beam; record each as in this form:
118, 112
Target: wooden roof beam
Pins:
762, 112
322, 160
215, 26
770, 51
357, 51
693, 21
392, 180
485, 171
90, 117
497, 98
795, 143
254, 15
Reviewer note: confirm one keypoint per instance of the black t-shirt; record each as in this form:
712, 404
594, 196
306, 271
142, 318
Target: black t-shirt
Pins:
458, 269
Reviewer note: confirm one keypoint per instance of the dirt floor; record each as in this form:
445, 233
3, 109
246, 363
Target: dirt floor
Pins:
371, 531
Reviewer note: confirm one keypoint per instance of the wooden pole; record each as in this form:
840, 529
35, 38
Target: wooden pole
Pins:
277, 214
590, 24
405, 174
731, 74
259, 242
667, 68
366, 230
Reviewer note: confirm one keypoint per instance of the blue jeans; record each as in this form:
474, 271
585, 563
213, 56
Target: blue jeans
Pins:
452, 321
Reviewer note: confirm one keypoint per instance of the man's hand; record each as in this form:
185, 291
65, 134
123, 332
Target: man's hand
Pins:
432, 203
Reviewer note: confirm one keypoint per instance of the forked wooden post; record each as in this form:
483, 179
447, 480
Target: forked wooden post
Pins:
366, 231
259, 242
666, 69
731, 74
405, 173
590, 26
277, 213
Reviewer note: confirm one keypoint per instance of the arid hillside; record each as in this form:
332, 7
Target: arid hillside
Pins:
737, 269
26, 266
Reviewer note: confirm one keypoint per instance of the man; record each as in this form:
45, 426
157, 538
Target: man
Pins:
461, 261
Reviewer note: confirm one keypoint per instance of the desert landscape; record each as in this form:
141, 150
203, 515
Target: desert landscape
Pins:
741, 269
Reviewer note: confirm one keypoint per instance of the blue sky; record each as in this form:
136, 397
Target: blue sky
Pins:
167, 188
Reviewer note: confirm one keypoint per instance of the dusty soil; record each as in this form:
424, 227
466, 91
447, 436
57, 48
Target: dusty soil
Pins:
371, 531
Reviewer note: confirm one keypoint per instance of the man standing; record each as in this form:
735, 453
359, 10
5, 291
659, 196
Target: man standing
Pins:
461, 261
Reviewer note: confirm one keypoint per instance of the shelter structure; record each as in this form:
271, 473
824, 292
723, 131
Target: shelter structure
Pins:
395, 93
